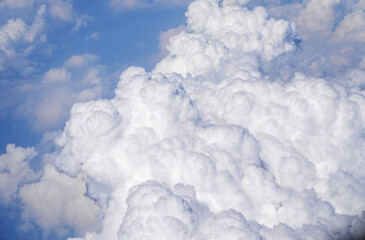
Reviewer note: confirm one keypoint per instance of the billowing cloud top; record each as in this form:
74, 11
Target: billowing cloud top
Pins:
209, 145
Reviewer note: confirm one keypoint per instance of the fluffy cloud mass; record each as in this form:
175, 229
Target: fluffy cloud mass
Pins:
214, 143
58, 202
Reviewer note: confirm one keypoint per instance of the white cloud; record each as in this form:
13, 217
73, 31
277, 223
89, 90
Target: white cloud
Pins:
17, 39
318, 16
284, 152
249, 154
77, 61
135, 4
352, 27
93, 77
165, 39
62, 10
58, 202
56, 75
12, 31
236, 38
94, 36
15, 171
16, 3
151, 130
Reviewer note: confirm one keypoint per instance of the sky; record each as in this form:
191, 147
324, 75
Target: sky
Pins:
205, 119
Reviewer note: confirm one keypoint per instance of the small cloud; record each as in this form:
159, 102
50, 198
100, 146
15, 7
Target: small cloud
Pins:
81, 60
18, 40
93, 36
15, 170
56, 75
140, 44
58, 202
81, 21
16, 3
62, 11
93, 77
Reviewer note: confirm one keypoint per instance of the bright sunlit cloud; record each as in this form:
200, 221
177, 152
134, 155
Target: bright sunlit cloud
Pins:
250, 126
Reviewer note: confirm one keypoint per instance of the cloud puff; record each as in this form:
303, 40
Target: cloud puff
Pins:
157, 212
227, 37
56, 75
81, 60
15, 32
15, 171
57, 202
19, 38
93, 36
318, 16
352, 27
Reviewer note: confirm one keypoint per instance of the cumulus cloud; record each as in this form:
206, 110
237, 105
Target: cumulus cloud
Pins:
213, 143
56, 75
164, 39
229, 38
58, 202
19, 38
15, 32
318, 16
15, 171
331, 34
81, 60
61, 10
352, 27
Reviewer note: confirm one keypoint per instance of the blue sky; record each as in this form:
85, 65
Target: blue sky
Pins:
122, 119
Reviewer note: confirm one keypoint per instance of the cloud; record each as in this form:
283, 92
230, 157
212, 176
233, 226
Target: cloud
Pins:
93, 36
77, 61
15, 171
137, 4
16, 32
351, 28
318, 16
232, 44
248, 153
16, 3
164, 39
62, 10
56, 75
332, 25
157, 212
57, 203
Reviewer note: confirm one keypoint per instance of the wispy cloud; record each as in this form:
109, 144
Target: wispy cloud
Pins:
122, 5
